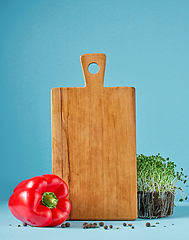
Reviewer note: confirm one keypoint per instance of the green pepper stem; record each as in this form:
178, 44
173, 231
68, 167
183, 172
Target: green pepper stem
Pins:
49, 199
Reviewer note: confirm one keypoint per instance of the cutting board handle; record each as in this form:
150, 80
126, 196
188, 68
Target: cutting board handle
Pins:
93, 80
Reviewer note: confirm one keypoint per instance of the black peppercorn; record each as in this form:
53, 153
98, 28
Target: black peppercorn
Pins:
90, 225
105, 227
67, 224
101, 224
147, 224
25, 224
111, 226
63, 225
124, 224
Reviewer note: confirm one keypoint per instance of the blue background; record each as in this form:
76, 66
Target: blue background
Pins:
41, 41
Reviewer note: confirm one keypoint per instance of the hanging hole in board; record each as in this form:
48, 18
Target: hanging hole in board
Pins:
93, 68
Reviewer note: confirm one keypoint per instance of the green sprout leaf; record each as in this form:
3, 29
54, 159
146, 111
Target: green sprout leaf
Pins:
157, 174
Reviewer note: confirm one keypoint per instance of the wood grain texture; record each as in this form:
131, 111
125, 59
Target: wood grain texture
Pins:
94, 146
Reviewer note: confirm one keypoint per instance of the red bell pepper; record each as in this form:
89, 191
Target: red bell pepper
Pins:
41, 201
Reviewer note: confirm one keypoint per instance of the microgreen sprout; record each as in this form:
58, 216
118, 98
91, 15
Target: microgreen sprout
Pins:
156, 174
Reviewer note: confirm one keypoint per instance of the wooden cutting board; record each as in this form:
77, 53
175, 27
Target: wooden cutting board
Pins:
94, 146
